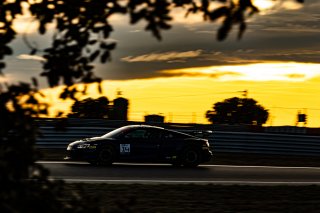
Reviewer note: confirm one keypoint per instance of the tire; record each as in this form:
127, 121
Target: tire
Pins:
106, 156
191, 157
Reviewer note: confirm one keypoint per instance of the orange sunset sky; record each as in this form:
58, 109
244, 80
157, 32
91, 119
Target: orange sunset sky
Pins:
181, 77
186, 99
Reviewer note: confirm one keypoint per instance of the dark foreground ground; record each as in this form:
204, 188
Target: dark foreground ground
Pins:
204, 198
207, 198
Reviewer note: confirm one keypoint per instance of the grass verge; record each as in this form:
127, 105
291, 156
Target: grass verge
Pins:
206, 198
203, 198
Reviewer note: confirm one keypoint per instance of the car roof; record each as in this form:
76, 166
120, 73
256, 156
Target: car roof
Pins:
143, 126
157, 127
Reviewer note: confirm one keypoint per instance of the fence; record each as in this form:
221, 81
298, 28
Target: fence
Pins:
264, 143
221, 141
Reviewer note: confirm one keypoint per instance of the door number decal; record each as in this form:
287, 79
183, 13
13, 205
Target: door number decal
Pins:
124, 148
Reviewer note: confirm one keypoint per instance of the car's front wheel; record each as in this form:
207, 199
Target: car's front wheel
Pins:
106, 156
191, 157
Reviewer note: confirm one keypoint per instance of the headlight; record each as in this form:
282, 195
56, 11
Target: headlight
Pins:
206, 145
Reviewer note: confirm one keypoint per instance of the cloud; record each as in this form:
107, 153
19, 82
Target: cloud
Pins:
31, 57
5, 78
294, 28
165, 56
240, 56
291, 5
272, 71
296, 76
198, 72
135, 31
250, 56
268, 7
286, 55
286, 35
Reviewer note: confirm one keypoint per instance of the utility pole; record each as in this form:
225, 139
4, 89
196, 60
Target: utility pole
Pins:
302, 118
244, 93
119, 93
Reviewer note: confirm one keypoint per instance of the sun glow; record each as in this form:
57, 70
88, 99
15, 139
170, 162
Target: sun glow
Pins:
272, 71
264, 4
185, 99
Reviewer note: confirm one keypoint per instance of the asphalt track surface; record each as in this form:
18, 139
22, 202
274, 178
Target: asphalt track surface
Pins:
127, 173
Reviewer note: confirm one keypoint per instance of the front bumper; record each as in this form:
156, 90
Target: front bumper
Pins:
81, 155
206, 155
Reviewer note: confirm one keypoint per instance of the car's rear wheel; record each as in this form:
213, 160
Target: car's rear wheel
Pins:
106, 156
191, 157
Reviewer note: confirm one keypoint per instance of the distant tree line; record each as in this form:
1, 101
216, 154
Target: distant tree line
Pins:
238, 111
100, 108
230, 111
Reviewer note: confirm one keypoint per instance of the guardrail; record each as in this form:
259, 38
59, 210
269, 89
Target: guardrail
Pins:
264, 143
221, 141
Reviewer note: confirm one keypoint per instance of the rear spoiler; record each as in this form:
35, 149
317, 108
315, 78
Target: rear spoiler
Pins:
201, 133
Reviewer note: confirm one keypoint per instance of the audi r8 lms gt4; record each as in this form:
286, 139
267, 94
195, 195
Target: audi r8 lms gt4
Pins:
141, 143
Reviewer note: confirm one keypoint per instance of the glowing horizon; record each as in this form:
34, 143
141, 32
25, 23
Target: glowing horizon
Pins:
264, 71
184, 99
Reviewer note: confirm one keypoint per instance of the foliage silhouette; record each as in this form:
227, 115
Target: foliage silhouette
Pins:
238, 111
80, 38
25, 185
82, 28
100, 108
90, 108
119, 110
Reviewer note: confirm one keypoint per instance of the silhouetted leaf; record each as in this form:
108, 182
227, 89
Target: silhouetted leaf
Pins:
100, 88
32, 100
105, 56
107, 30
41, 94
205, 5
94, 55
112, 46
33, 51
2, 65
42, 29
59, 114
242, 28
91, 42
164, 25
224, 29
34, 81
220, 12
7, 50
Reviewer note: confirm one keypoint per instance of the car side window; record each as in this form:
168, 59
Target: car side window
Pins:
172, 135
138, 134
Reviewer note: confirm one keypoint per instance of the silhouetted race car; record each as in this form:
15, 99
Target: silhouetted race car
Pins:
141, 143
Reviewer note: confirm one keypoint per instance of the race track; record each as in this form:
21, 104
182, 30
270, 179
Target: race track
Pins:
163, 173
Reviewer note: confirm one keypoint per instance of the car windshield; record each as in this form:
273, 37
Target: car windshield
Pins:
177, 135
116, 133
